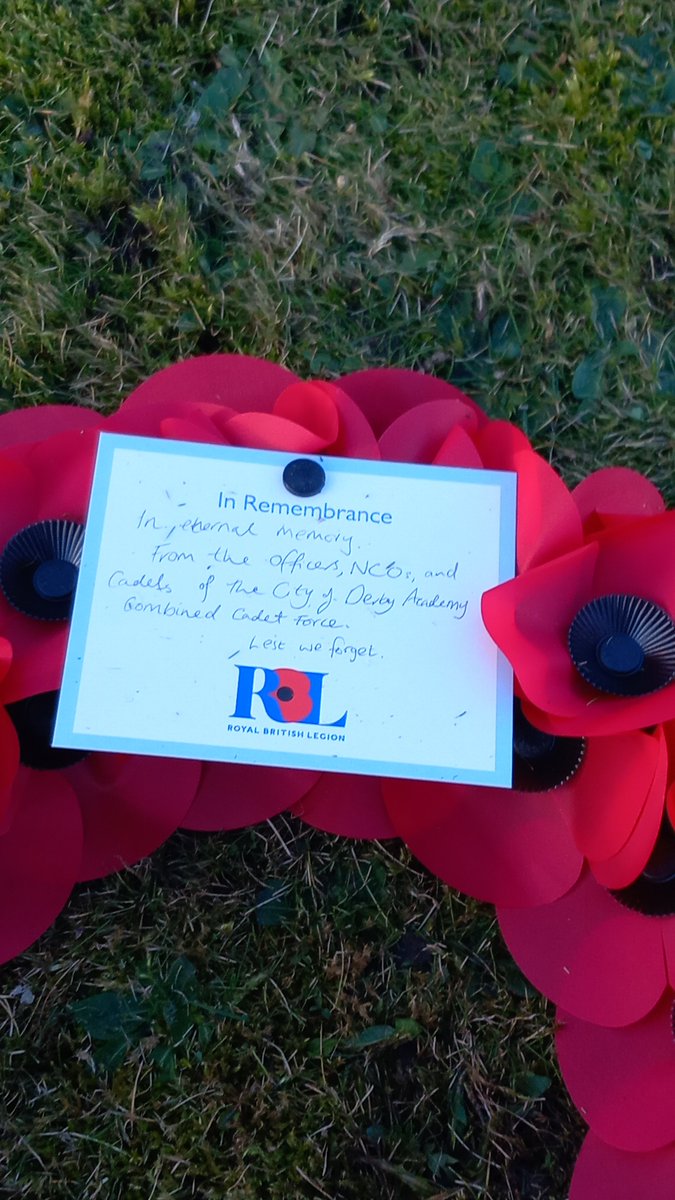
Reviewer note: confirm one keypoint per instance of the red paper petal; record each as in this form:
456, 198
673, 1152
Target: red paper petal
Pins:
63, 468
39, 857
265, 431
130, 805
5, 658
529, 618
384, 393
204, 421
499, 442
670, 804
39, 654
616, 493
146, 420
231, 795
356, 438
604, 1173
311, 405
590, 954
9, 764
604, 720
34, 424
548, 520
141, 422
623, 868
178, 430
243, 383
669, 734
419, 434
458, 451
154, 418
613, 785
668, 934
505, 847
639, 557
348, 805
17, 498
623, 1080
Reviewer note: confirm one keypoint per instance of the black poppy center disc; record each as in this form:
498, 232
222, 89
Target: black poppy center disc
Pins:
55, 579
621, 654
623, 645
39, 568
542, 761
653, 892
33, 720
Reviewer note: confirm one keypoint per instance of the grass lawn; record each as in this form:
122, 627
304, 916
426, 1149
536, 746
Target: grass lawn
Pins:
477, 189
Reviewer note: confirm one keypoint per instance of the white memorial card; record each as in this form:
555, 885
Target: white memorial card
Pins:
220, 616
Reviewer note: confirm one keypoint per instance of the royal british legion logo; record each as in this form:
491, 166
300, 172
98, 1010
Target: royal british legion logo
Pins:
286, 696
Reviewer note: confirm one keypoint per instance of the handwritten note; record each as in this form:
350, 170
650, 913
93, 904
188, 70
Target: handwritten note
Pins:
219, 616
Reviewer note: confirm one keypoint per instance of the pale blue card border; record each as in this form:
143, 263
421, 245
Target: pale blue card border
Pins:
64, 729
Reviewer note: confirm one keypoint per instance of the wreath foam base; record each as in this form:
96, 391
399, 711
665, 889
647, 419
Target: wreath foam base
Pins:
578, 857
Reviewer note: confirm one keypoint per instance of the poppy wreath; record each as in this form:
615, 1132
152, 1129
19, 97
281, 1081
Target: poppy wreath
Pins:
578, 856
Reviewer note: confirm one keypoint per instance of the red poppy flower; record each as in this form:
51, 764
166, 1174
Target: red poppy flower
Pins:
607, 957
39, 483
525, 846
590, 635
605, 1173
623, 1080
233, 400
129, 805
471, 837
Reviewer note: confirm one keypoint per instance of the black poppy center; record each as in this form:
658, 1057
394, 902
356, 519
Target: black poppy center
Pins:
653, 892
621, 654
34, 720
623, 645
285, 693
55, 579
542, 761
39, 568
